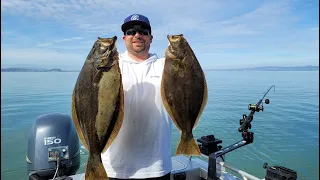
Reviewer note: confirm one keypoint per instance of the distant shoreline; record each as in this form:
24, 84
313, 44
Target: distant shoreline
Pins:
272, 68
264, 68
34, 70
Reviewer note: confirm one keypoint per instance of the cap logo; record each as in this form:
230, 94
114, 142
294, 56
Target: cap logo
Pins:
135, 17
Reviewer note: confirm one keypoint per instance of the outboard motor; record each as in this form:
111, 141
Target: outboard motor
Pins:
53, 147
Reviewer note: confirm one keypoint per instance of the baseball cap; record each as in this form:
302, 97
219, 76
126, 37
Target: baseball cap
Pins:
136, 19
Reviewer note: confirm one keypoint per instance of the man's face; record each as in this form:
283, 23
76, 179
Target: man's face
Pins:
137, 40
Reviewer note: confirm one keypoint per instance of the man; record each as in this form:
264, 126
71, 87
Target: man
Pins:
142, 149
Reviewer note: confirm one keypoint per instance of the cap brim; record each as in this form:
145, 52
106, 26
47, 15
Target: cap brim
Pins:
126, 25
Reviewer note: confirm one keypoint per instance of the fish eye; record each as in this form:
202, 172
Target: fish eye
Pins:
102, 49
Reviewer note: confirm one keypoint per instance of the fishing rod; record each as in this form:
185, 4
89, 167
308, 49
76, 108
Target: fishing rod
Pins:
245, 122
209, 144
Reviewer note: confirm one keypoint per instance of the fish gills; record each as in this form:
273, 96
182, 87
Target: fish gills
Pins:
98, 103
184, 91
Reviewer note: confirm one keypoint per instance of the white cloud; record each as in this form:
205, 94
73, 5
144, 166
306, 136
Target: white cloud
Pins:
213, 28
95, 14
33, 56
167, 17
60, 41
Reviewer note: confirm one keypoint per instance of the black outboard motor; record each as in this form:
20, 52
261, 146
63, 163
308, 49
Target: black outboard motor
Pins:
53, 142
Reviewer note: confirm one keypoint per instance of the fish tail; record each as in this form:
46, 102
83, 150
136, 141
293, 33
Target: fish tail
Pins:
95, 169
188, 145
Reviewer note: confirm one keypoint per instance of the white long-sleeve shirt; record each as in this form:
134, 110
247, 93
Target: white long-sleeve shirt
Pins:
142, 149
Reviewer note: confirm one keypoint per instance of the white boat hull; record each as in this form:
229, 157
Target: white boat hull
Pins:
195, 169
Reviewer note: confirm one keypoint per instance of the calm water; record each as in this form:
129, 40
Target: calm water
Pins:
286, 132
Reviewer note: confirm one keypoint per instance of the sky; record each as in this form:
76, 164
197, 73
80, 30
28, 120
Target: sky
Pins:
222, 33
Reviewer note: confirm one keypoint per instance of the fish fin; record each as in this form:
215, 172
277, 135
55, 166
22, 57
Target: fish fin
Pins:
96, 78
76, 122
119, 121
204, 102
95, 168
166, 105
188, 146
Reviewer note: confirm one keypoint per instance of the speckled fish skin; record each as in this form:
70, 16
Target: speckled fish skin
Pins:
184, 91
97, 104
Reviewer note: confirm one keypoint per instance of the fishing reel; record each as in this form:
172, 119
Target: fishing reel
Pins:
255, 107
245, 122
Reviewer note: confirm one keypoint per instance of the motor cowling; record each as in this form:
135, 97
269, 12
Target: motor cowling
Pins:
52, 139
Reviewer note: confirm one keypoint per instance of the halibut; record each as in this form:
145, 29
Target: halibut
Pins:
98, 103
184, 91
